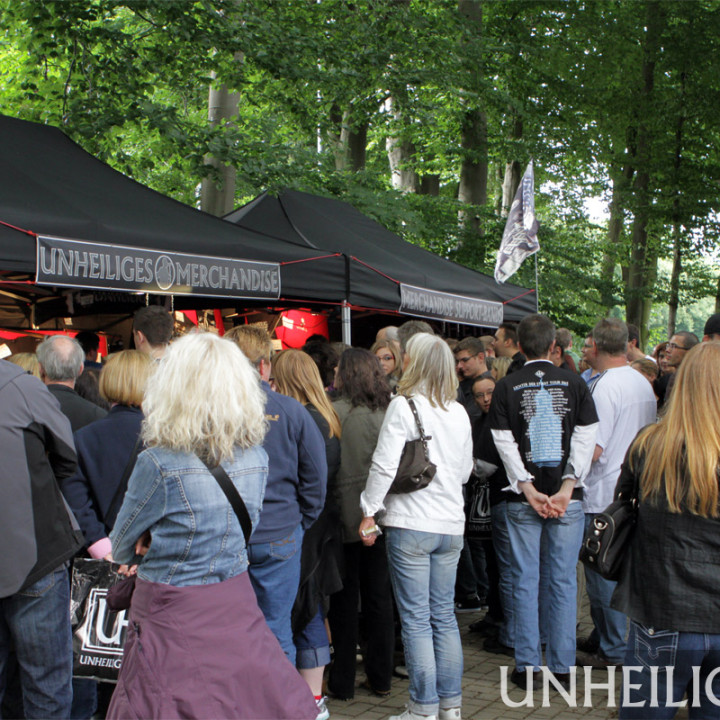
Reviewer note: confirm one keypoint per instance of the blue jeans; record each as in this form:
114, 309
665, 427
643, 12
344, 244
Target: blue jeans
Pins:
610, 625
554, 543
691, 657
275, 575
312, 645
501, 542
422, 570
36, 623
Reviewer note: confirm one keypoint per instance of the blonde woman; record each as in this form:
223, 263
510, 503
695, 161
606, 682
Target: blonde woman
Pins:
194, 613
106, 447
670, 587
297, 376
27, 361
500, 367
389, 357
424, 529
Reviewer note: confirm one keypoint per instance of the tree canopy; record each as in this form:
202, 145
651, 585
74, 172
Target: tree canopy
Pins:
421, 113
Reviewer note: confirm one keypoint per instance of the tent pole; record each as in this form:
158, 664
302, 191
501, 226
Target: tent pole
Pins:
345, 319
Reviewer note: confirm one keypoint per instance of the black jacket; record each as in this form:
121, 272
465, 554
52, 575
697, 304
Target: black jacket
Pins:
672, 580
80, 412
322, 553
37, 531
104, 449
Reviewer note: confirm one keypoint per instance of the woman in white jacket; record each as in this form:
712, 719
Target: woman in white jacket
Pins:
424, 529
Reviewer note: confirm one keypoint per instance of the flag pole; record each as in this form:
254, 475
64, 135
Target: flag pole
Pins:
537, 285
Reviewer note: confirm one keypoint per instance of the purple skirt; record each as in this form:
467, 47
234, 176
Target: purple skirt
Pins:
205, 651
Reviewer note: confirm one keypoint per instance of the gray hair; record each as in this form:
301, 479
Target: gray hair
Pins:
611, 336
61, 358
410, 328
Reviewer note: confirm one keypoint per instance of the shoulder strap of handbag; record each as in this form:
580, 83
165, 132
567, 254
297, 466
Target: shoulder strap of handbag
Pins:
233, 496
423, 437
114, 508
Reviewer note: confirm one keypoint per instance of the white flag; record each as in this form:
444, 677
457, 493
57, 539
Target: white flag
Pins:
519, 239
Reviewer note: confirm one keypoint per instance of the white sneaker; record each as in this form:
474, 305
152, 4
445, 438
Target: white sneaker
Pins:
323, 712
450, 714
408, 714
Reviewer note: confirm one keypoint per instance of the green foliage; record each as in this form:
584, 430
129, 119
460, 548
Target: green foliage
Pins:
556, 81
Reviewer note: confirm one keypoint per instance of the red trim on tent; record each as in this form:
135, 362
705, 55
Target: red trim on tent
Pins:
379, 272
319, 257
529, 292
15, 227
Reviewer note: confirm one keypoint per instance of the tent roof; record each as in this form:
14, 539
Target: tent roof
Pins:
379, 260
50, 186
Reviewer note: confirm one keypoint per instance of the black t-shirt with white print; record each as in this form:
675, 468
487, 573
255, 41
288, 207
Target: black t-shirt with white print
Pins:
541, 405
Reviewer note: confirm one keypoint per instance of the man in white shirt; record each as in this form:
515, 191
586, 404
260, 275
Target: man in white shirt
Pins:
625, 403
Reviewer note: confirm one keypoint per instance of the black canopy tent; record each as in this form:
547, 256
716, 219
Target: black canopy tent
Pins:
384, 271
94, 228
69, 221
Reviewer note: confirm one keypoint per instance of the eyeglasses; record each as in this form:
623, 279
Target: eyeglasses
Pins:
461, 361
480, 395
673, 346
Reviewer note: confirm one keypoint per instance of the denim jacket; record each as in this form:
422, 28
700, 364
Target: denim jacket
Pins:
196, 536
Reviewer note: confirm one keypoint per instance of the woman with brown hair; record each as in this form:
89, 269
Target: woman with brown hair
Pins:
670, 587
297, 376
363, 397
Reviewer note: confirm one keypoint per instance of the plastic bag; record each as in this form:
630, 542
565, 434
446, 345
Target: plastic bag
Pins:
98, 632
478, 522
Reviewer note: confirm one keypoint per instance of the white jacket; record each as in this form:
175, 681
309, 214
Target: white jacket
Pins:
438, 508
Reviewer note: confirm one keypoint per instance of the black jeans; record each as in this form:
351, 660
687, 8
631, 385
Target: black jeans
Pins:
367, 579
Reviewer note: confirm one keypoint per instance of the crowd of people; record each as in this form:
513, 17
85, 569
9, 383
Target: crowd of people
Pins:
249, 498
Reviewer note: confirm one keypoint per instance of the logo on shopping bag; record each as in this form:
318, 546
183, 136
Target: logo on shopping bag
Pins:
103, 630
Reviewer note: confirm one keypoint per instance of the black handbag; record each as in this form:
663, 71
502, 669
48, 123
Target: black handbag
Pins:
606, 544
415, 470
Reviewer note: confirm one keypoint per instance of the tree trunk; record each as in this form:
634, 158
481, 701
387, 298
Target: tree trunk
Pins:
513, 171
620, 181
499, 179
217, 195
429, 185
674, 299
474, 170
337, 136
513, 175
357, 146
473, 186
400, 154
474, 134
643, 263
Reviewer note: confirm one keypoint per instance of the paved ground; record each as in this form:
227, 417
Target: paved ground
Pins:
482, 696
